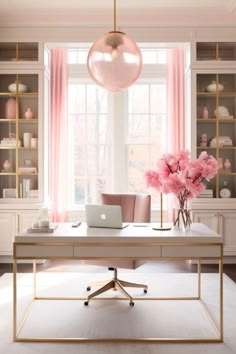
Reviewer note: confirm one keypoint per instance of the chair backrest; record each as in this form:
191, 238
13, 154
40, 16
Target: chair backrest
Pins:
135, 207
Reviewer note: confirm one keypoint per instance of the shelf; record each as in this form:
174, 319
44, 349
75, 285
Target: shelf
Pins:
19, 94
31, 121
19, 51
6, 120
28, 174
214, 120
219, 52
7, 173
210, 105
13, 108
206, 148
27, 148
227, 173
7, 147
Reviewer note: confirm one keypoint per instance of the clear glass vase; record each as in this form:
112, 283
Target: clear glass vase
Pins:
183, 217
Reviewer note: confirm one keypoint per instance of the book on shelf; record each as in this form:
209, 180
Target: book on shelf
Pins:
33, 193
206, 193
27, 169
9, 142
25, 188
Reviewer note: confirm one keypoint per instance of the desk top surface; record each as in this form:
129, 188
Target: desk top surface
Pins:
134, 233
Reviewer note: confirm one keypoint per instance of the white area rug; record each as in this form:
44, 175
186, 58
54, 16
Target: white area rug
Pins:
116, 318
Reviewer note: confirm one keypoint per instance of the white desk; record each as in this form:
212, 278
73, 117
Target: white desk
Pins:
133, 242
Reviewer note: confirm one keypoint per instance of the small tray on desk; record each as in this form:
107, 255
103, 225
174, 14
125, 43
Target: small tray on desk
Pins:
43, 230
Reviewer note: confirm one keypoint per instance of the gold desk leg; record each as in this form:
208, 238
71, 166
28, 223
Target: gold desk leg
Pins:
14, 300
221, 293
34, 279
199, 278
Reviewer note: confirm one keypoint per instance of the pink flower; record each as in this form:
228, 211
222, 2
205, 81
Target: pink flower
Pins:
177, 174
153, 179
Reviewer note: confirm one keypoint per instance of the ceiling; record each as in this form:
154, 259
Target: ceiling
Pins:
131, 12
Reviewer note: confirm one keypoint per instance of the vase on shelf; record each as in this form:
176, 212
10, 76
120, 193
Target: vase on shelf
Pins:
6, 166
205, 113
227, 164
14, 86
27, 139
214, 86
29, 114
10, 109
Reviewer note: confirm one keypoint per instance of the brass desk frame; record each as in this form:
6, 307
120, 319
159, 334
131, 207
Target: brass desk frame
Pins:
218, 328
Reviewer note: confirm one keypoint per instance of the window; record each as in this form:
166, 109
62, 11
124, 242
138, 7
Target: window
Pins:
114, 137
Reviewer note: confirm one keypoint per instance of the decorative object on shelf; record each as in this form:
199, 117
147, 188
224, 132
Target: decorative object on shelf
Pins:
9, 192
205, 113
34, 142
28, 162
29, 114
6, 166
114, 60
225, 192
227, 164
178, 175
203, 140
27, 139
10, 108
12, 135
222, 141
222, 112
213, 87
21, 87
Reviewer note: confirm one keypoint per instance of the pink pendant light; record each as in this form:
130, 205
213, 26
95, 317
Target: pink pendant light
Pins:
114, 60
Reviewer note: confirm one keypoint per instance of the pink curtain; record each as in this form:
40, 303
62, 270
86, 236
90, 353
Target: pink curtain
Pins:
175, 100
58, 134
175, 93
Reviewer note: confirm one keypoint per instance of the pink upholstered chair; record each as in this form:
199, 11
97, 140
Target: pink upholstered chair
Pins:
135, 208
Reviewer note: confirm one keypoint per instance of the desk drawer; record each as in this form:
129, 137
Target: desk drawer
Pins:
117, 251
44, 251
191, 251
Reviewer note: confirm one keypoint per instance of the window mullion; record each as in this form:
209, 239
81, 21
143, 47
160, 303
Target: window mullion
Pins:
119, 143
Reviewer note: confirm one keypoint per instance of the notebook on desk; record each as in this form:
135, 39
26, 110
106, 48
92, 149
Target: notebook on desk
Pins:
108, 216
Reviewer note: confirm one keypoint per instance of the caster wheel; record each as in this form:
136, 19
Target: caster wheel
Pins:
145, 291
86, 303
131, 303
88, 288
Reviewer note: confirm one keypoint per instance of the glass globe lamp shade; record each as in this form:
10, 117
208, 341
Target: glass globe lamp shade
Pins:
114, 61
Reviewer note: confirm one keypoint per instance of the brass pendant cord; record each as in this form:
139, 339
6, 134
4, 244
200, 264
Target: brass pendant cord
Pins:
114, 15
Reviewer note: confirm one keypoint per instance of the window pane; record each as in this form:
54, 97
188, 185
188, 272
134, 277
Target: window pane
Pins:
146, 133
72, 56
138, 129
87, 142
158, 97
139, 99
162, 56
96, 99
76, 98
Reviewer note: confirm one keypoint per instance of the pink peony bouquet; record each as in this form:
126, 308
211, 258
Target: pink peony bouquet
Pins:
178, 175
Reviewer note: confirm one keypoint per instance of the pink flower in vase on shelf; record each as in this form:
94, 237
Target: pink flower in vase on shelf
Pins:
178, 175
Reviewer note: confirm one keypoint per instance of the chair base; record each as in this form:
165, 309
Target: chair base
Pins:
115, 284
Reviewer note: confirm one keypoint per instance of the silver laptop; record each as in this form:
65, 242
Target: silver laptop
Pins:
109, 216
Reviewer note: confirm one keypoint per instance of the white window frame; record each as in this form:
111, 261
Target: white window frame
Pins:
118, 114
